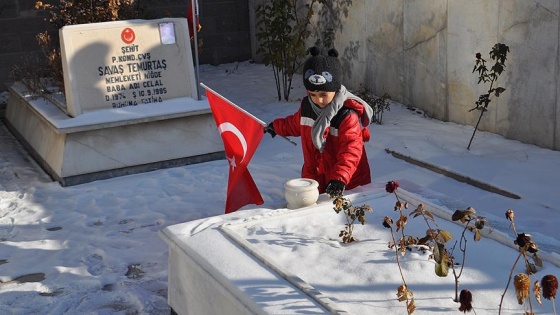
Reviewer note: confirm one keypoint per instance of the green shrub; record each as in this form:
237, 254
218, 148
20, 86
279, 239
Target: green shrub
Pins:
283, 26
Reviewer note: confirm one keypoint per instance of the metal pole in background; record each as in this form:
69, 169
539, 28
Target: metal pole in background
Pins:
194, 4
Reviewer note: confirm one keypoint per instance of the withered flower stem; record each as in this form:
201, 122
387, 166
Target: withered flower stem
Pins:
399, 265
507, 285
510, 215
397, 255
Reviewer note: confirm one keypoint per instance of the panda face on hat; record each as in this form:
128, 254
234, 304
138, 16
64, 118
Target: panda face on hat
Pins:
322, 73
318, 78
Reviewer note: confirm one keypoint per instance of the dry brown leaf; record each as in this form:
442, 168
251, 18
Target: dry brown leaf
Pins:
444, 236
402, 293
387, 222
537, 291
477, 235
411, 307
401, 222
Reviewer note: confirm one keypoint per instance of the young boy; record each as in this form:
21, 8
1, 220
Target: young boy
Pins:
332, 124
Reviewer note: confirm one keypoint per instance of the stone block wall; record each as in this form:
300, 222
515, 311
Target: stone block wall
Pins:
19, 24
225, 30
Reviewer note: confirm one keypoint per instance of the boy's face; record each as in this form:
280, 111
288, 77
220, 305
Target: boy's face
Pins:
321, 98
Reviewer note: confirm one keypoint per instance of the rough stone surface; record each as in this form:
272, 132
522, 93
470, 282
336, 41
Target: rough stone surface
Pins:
422, 53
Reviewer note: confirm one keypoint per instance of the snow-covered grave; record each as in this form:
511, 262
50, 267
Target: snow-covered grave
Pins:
282, 261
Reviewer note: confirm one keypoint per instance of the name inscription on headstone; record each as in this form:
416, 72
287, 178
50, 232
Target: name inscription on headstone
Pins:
126, 63
133, 78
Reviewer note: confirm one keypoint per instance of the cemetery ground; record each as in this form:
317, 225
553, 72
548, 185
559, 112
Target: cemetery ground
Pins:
94, 248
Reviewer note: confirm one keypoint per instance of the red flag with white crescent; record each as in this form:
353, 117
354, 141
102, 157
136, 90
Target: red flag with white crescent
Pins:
241, 134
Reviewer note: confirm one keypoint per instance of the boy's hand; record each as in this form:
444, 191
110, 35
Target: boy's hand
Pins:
335, 188
270, 129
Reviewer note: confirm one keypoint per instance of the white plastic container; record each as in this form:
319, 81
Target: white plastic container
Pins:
301, 192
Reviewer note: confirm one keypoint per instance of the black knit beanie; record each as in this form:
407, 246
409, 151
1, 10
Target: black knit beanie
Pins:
322, 73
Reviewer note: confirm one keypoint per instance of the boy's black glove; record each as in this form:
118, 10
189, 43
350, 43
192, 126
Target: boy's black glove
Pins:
335, 188
270, 129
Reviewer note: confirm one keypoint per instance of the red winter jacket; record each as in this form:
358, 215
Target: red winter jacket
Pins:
344, 156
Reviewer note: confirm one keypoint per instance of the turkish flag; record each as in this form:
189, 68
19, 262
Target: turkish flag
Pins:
241, 134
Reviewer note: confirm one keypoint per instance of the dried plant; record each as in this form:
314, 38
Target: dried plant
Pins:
526, 247
537, 291
473, 223
466, 300
522, 285
379, 104
351, 214
31, 72
403, 243
51, 50
404, 294
499, 54
549, 284
435, 238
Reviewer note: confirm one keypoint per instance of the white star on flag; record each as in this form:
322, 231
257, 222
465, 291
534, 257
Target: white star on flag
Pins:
232, 163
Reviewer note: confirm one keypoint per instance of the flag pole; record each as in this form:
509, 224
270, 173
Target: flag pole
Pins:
244, 111
195, 14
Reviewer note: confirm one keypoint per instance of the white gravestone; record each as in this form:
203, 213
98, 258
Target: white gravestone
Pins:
126, 63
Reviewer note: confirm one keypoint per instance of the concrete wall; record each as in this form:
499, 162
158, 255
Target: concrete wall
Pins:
422, 53
225, 30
